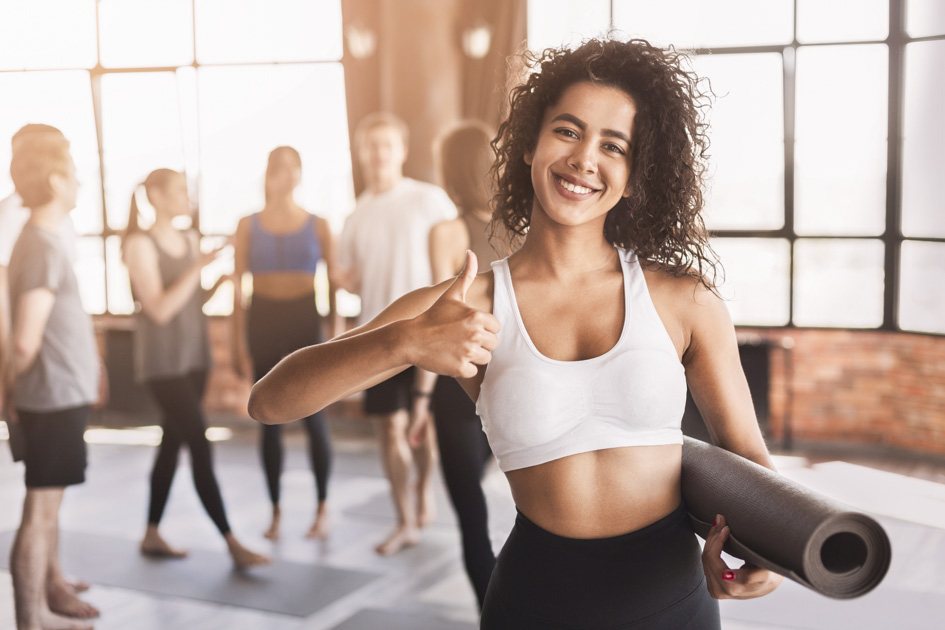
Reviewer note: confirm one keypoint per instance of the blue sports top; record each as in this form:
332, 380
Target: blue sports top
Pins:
535, 409
298, 251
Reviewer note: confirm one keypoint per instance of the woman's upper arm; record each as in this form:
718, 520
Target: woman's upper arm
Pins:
241, 248
447, 247
142, 263
716, 378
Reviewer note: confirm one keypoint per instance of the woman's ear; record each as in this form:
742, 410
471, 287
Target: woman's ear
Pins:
628, 190
529, 156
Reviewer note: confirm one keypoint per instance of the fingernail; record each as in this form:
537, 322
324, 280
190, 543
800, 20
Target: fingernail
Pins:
728, 575
716, 521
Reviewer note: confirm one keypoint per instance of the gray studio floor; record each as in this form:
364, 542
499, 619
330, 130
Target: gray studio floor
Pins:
342, 584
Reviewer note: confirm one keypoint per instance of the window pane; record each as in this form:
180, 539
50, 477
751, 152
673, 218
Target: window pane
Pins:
268, 30
923, 149
143, 33
842, 20
553, 23
64, 100
840, 152
838, 283
925, 17
90, 271
141, 131
921, 290
701, 24
37, 34
222, 301
245, 112
757, 279
747, 133
119, 287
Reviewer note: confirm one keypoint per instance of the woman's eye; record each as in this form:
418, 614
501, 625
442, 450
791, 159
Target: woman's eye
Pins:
564, 131
614, 148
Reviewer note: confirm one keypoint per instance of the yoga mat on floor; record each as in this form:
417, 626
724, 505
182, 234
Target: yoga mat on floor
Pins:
780, 525
288, 588
396, 620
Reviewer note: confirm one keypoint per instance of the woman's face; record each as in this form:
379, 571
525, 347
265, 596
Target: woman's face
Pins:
172, 199
283, 174
581, 163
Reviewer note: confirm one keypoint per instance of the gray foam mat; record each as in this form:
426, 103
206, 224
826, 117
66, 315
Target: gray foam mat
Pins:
394, 620
287, 588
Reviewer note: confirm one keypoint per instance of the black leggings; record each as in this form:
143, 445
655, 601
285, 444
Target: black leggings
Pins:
179, 399
278, 328
647, 579
464, 452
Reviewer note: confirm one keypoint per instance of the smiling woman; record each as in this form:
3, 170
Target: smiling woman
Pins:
578, 348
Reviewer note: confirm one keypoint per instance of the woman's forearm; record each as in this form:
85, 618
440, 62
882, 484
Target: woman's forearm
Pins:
309, 379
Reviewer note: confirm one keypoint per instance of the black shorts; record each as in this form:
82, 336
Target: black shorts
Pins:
391, 395
648, 579
55, 446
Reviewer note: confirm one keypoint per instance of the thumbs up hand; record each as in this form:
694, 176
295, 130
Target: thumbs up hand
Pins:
451, 337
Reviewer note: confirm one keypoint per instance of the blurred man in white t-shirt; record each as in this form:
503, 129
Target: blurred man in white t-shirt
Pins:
384, 253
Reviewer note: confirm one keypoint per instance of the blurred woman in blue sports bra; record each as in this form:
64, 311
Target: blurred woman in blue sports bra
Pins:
280, 247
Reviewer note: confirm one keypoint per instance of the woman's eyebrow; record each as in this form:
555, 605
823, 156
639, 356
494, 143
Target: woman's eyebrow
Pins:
580, 124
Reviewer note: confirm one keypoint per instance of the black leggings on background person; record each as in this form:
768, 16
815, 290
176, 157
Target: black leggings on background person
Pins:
464, 452
278, 328
183, 422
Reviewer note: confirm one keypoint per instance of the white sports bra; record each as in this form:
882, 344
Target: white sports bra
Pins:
535, 409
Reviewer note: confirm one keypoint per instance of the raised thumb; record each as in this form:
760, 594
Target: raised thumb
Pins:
465, 278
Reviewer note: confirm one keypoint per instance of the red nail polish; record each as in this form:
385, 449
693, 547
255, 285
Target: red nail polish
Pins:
728, 575
715, 522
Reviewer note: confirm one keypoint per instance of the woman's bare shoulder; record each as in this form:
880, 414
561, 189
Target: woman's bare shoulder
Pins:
449, 230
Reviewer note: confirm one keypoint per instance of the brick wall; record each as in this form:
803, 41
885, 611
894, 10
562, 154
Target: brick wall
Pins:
866, 387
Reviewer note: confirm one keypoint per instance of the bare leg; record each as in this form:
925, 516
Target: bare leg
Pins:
60, 595
29, 563
273, 532
396, 459
153, 544
322, 525
427, 456
56, 576
243, 558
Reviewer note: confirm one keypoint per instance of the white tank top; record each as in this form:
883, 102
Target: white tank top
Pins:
535, 409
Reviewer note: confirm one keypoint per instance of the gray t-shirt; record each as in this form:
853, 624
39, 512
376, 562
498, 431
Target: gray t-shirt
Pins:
66, 370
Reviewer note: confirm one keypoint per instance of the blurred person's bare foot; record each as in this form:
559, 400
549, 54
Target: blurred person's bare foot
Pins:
154, 544
51, 621
402, 537
426, 506
273, 532
63, 601
78, 585
322, 525
243, 558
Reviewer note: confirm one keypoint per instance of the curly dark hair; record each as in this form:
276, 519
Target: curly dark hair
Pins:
661, 220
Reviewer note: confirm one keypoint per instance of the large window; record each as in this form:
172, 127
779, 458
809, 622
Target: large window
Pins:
828, 148
191, 85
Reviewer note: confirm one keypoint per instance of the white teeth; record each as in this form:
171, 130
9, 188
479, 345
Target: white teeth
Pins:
581, 190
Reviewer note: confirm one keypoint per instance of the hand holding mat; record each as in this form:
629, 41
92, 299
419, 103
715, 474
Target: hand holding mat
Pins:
781, 526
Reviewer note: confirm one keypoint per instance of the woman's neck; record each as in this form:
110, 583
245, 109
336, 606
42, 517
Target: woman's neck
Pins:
281, 205
566, 251
162, 225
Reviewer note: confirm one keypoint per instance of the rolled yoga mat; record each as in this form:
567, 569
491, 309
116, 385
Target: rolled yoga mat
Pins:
782, 526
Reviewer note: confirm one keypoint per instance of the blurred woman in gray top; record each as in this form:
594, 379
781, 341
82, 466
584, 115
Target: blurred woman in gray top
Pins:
172, 352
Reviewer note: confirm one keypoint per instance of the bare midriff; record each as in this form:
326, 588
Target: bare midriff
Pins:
283, 285
600, 494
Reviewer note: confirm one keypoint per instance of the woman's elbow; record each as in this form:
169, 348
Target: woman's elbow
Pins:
260, 407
